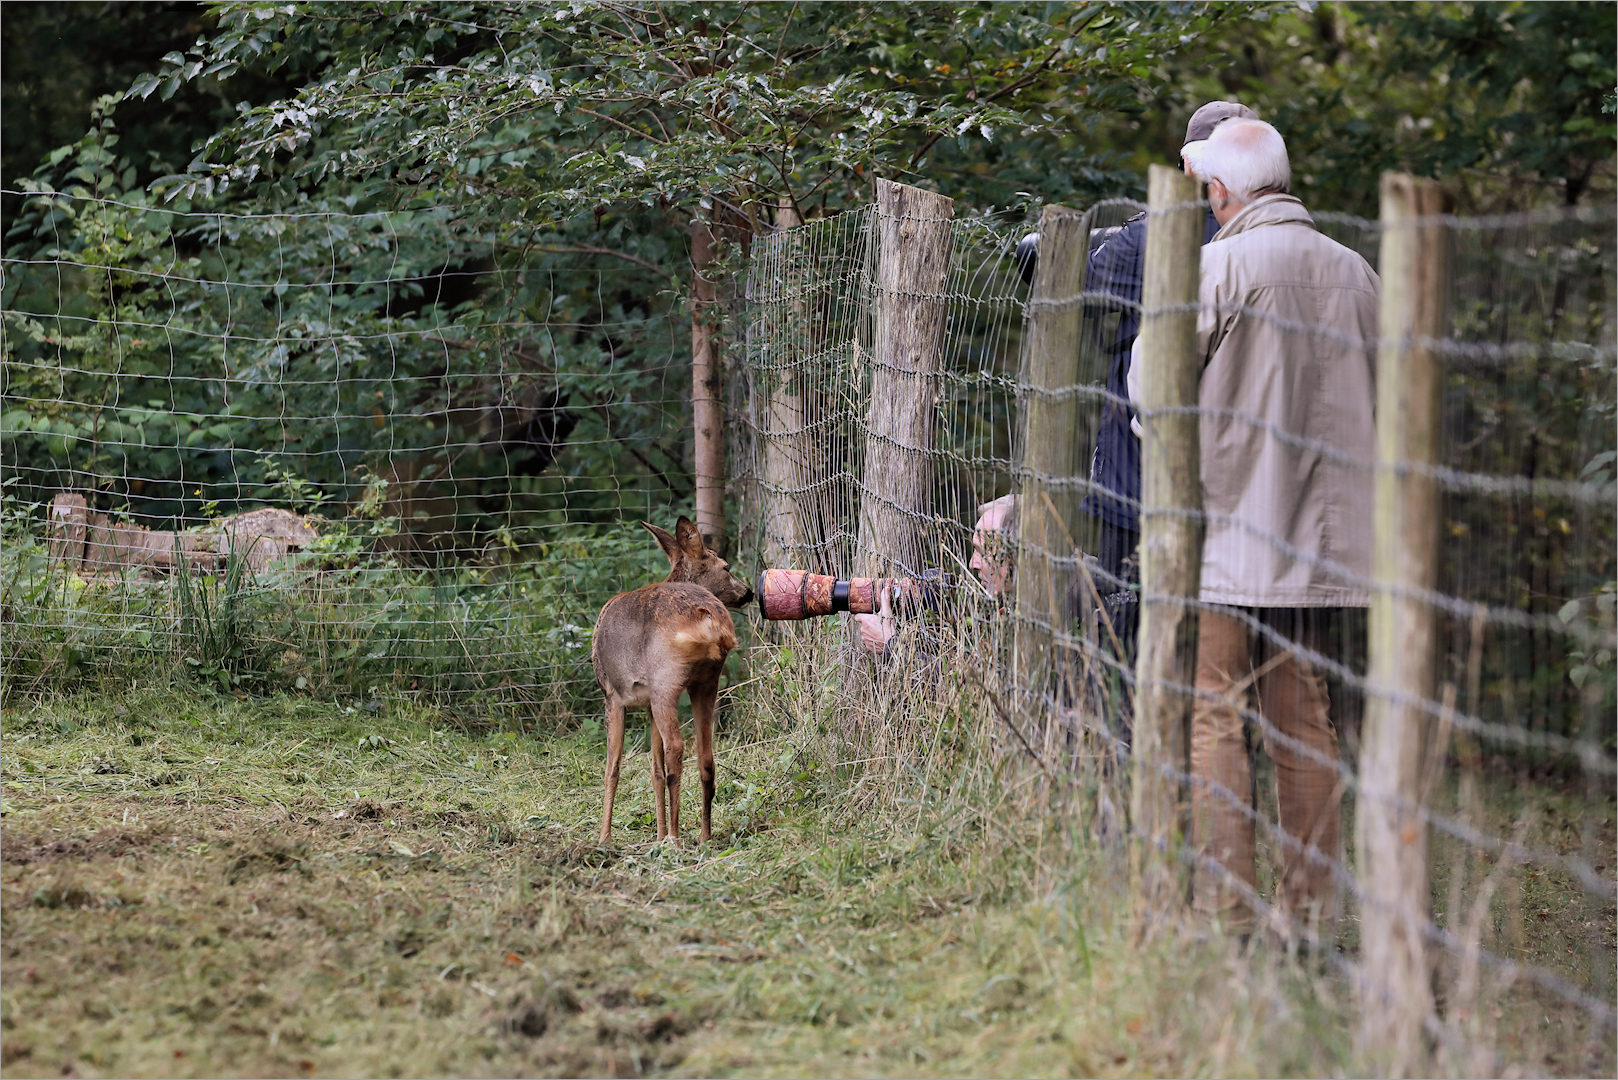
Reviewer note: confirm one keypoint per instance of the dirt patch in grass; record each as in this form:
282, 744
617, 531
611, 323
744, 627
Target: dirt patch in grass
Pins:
332, 894
240, 942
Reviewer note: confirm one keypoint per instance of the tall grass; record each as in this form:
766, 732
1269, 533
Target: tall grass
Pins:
515, 636
934, 752
861, 798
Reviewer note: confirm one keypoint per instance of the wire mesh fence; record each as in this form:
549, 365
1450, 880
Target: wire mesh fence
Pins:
459, 434
1510, 814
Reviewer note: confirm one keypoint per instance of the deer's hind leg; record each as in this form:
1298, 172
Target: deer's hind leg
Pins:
659, 784
703, 699
615, 755
666, 730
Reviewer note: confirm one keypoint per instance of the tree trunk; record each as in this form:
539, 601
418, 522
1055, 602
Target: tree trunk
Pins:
707, 394
786, 453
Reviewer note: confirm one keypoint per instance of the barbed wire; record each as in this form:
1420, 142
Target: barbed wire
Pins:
1586, 875
1446, 347
1450, 479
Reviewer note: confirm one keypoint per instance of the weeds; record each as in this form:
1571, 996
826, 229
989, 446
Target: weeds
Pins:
516, 637
203, 885
298, 888
212, 619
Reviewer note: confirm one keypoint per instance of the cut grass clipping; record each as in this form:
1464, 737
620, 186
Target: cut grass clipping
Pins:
208, 886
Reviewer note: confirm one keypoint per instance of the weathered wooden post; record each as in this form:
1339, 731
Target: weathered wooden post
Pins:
785, 475
1172, 525
1051, 443
1396, 741
69, 529
707, 393
914, 245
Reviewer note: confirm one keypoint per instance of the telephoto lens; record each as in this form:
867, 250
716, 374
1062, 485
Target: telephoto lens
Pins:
794, 595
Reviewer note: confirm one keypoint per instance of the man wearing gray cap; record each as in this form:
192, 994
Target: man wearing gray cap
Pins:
1116, 270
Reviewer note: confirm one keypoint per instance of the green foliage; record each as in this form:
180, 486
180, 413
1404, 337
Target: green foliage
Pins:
1593, 671
214, 622
542, 108
59, 58
173, 358
1525, 82
466, 229
403, 271
1502, 100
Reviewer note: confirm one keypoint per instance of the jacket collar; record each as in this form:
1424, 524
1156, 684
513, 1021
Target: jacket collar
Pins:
1266, 210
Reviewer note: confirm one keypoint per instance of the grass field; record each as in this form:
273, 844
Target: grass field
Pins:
204, 885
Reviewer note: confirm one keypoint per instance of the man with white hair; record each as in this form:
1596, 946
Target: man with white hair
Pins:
1287, 333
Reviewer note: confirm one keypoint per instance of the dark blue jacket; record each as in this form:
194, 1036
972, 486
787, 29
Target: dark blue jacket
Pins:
1117, 268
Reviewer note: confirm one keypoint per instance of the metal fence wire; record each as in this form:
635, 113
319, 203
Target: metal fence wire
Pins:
463, 431
1514, 806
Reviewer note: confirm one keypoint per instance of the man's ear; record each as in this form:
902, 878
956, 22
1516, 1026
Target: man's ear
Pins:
690, 541
670, 546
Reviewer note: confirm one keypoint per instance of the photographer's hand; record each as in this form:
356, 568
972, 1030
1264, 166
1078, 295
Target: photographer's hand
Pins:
878, 629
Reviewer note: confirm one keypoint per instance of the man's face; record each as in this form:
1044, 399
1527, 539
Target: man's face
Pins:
991, 552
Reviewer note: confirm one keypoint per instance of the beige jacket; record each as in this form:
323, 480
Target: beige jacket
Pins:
1287, 333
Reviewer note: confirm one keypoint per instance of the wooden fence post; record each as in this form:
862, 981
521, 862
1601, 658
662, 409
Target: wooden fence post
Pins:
707, 393
785, 458
1051, 439
1396, 741
914, 245
1172, 526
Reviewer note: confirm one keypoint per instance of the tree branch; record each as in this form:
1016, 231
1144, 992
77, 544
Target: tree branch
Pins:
591, 250
620, 123
781, 44
1009, 88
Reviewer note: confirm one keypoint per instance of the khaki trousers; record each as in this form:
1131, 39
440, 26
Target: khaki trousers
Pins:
1291, 696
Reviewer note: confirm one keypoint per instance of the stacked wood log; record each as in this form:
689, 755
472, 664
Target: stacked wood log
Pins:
90, 542
264, 535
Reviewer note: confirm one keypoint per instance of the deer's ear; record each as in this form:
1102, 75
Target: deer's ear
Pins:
685, 531
670, 546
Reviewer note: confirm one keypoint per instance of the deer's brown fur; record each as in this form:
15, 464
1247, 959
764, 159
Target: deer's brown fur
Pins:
655, 643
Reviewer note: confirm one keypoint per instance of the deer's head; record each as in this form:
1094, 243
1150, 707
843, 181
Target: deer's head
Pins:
691, 562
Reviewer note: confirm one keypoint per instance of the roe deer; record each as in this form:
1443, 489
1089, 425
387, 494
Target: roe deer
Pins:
653, 644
